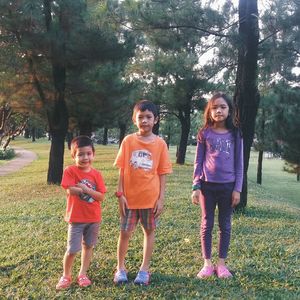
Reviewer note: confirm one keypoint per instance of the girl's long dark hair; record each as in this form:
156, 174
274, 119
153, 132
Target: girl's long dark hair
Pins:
231, 123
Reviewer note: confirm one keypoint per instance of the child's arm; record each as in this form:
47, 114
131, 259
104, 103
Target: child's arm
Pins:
96, 195
74, 190
198, 165
160, 201
122, 199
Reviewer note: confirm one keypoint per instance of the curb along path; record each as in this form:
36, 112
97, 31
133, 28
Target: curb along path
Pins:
22, 159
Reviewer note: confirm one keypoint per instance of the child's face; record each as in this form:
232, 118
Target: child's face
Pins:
145, 121
219, 110
84, 157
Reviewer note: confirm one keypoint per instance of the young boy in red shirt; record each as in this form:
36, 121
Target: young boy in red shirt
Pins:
143, 163
85, 192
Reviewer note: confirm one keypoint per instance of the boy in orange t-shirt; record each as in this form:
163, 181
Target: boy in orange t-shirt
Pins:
85, 192
143, 163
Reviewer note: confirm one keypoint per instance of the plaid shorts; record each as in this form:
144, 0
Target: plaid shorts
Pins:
132, 216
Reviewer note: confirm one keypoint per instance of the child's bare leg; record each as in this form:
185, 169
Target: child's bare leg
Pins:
86, 256
221, 262
68, 263
122, 248
208, 262
149, 237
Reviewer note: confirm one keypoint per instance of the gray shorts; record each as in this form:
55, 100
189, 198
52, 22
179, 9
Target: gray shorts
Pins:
82, 234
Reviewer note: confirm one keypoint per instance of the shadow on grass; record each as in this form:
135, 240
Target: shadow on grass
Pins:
7, 270
269, 213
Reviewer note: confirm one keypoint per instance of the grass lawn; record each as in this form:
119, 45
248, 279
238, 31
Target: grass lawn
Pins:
264, 253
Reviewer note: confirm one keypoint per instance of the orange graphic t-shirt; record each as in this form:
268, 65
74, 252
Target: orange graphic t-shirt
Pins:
143, 163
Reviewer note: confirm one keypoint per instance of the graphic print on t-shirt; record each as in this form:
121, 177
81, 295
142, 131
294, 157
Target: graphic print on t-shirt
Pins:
86, 197
141, 159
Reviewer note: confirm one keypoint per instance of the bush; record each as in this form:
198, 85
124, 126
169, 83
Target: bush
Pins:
7, 154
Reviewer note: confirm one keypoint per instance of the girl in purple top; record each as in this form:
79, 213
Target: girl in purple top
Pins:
218, 178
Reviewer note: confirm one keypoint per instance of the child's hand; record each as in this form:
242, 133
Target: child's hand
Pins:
82, 186
122, 205
158, 208
196, 197
235, 199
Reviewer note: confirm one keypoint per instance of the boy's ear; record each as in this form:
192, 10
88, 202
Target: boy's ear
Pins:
156, 120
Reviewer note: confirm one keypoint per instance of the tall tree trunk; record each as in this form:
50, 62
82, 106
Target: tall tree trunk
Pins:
58, 116
122, 127
185, 121
261, 151
85, 128
105, 136
168, 137
69, 139
246, 98
33, 131
56, 158
58, 124
259, 166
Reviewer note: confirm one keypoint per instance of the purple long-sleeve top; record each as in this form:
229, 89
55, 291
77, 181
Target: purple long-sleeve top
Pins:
219, 158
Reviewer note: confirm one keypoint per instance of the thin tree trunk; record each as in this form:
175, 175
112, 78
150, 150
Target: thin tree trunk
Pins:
85, 128
122, 128
33, 130
185, 122
261, 152
259, 167
69, 139
105, 136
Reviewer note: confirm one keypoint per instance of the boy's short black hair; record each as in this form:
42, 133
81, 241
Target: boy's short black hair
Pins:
79, 142
143, 105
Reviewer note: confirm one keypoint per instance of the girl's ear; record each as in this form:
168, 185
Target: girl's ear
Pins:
156, 120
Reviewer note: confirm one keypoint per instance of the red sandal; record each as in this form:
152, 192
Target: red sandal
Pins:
83, 281
64, 283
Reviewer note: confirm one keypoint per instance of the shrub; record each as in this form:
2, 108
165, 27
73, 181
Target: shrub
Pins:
7, 154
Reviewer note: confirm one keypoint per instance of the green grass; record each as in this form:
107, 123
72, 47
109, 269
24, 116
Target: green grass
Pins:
264, 252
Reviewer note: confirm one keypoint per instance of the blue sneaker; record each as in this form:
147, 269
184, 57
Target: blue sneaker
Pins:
142, 278
120, 277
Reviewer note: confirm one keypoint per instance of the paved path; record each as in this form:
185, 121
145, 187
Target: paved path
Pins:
23, 158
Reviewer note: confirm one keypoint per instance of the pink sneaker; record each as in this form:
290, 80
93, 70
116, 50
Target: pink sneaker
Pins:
223, 272
64, 283
206, 271
83, 281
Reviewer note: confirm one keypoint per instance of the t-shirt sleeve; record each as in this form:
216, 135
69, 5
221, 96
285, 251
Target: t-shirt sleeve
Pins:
100, 183
165, 165
68, 178
119, 161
